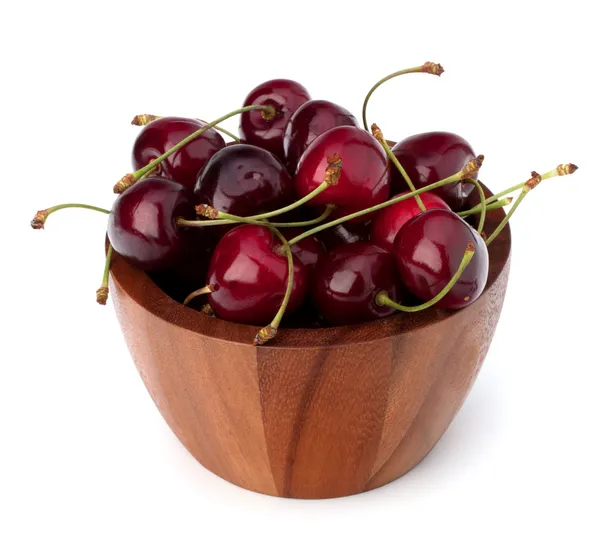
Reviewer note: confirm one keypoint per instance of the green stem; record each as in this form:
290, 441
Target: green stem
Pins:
379, 136
525, 190
430, 68
489, 207
482, 204
223, 130
131, 178
202, 291
448, 180
268, 332
41, 216
102, 291
246, 220
383, 298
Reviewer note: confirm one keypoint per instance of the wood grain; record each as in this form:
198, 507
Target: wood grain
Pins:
317, 413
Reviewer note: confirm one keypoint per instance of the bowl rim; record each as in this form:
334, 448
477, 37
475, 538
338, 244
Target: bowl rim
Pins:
140, 288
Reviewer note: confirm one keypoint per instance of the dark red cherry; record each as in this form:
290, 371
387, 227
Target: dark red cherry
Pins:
244, 180
312, 119
345, 233
431, 157
285, 96
308, 250
428, 250
389, 221
347, 280
184, 165
365, 176
249, 276
142, 223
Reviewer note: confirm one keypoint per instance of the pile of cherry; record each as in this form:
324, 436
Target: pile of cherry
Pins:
306, 215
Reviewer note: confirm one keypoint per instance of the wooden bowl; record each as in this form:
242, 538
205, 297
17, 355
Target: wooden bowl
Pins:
316, 413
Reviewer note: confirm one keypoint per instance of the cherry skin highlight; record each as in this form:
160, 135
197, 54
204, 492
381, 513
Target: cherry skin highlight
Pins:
428, 251
142, 224
348, 279
249, 274
184, 165
285, 96
308, 251
390, 220
312, 119
244, 180
345, 233
431, 157
365, 175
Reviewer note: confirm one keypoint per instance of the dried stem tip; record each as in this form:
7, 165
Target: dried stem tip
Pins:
377, 133
432, 68
268, 113
205, 210
471, 169
124, 183
208, 310
40, 219
143, 119
566, 169
264, 335
102, 295
535, 180
334, 169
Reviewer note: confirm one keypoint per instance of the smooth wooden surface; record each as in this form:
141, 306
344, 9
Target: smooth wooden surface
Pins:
317, 413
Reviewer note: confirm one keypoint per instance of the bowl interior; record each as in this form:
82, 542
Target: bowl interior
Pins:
140, 288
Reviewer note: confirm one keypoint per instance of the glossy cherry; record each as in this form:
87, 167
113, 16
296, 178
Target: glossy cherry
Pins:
365, 176
184, 165
431, 157
249, 274
428, 251
312, 119
390, 220
308, 250
348, 279
285, 96
345, 233
142, 223
244, 180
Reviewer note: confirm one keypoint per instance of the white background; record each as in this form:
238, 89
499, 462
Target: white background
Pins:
85, 458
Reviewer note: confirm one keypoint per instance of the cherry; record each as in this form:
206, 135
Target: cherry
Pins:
244, 180
184, 165
430, 157
264, 131
348, 279
345, 233
389, 221
248, 276
142, 224
429, 249
365, 175
312, 119
308, 250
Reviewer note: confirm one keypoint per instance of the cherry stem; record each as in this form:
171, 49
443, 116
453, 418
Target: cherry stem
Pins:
379, 136
328, 211
482, 205
40, 217
428, 68
269, 332
145, 119
332, 176
102, 291
489, 207
131, 178
202, 291
383, 299
471, 168
530, 184
559, 171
